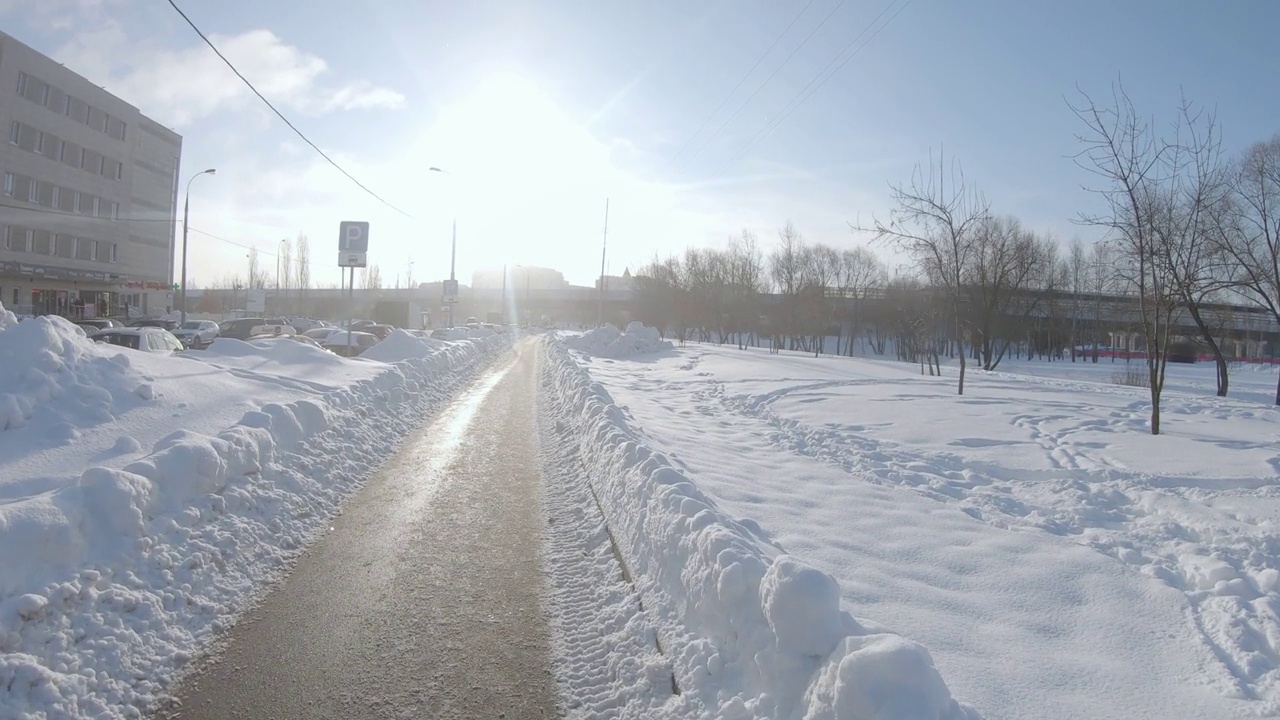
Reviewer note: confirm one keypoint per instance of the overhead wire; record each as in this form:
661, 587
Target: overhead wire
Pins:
762, 86
280, 115
820, 79
706, 121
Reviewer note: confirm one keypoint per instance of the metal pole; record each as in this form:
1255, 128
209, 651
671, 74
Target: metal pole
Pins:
186, 209
453, 260
604, 248
504, 294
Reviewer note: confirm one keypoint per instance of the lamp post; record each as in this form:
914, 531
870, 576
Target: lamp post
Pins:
186, 211
279, 258
453, 247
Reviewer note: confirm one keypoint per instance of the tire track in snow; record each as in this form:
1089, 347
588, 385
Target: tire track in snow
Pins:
1231, 583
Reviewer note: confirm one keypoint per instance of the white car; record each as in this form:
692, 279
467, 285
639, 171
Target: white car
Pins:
348, 344
144, 339
196, 333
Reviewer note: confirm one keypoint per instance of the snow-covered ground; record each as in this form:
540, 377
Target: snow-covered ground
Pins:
145, 499
1054, 558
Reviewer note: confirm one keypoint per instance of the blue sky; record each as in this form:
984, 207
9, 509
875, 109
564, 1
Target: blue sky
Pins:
540, 109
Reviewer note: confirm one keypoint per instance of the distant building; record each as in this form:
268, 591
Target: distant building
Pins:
88, 210
519, 277
617, 283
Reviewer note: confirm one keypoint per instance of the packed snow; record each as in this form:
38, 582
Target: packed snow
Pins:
146, 499
1055, 558
746, 630
606, 341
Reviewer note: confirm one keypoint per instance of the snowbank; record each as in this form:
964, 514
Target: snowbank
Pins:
48, 358
608, 342
754, 632
113, 578
401, 345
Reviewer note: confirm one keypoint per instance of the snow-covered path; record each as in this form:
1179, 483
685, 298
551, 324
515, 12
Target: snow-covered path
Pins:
426, 589
1021, 533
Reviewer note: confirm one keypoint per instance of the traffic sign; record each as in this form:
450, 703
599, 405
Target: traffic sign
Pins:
353, 243
352, 259
450, 292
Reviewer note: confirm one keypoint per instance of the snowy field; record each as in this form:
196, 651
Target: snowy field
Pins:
145, 499
1054, 558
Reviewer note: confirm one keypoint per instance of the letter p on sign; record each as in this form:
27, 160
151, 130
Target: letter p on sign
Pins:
353, 237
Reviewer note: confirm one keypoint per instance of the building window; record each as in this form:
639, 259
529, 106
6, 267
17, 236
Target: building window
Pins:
45, 196
56, 195
115, 127
15, 132
39, 142
75, 203
97, 119
8, 184
115, 211
84, 249
111, 252
65, 200
97, 207
22, 83
33, 191
42, 242
111, 168
17, 239
64, 246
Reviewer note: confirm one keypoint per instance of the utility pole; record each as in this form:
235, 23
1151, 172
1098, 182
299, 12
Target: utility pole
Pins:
453, 261
604, 249
504, 294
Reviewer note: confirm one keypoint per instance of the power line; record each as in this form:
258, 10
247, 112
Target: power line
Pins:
776, 70
820, 79
281, 115
741, 80
233, 242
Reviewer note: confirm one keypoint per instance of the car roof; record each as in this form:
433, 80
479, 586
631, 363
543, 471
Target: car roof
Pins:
131, 330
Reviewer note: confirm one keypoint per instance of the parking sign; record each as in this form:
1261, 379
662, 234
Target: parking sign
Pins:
353, 243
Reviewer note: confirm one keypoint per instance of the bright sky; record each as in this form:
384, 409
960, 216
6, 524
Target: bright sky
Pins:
540, 109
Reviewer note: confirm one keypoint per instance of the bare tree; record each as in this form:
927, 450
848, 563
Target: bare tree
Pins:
1248, 229
1122, 150
861, 273
1197, 189
302, 251
1075, 273
1005, 278
285, 262
371, 277
936, 223
257, 273
745, 268
786, 272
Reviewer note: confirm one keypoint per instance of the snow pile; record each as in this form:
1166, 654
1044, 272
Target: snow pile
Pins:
7, 319
750, 631
49, 358
606, 341
113, 578
401, 345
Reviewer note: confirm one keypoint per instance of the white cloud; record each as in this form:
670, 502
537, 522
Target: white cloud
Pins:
180, 86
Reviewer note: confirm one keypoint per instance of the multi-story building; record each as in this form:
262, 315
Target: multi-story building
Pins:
88, 205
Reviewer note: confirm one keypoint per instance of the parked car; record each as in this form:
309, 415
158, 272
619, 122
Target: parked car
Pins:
169, 325
245, 328
381, 331
349, 344
302, 325
145, 339
91, 325
440, 334
303, 339
197, 333
319, 333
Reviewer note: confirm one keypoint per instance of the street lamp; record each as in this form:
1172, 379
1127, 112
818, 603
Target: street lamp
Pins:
186, 211
453, 248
